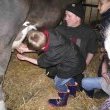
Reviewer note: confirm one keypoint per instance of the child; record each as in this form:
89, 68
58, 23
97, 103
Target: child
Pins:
60, 52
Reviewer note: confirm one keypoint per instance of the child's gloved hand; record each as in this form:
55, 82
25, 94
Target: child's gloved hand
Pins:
21, 57
22, 48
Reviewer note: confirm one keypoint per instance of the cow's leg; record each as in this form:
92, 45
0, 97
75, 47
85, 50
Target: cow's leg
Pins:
12, 15
5, 53
4, 59
2, 103
6, 39
7, 35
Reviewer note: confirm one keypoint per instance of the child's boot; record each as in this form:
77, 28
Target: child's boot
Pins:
62, 101
73, 89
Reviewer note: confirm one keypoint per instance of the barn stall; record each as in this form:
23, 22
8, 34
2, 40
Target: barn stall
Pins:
28, 88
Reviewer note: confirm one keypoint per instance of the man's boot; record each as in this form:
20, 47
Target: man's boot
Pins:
62, 101
90, 93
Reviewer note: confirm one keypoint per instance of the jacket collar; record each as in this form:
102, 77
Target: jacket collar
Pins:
45, 31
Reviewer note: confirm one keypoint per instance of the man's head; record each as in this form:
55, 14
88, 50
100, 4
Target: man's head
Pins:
103, 6
37, 39
74, 13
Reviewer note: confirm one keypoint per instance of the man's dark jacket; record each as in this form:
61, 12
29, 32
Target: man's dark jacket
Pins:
85, 37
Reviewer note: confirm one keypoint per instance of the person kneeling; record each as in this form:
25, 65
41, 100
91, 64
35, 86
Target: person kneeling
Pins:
59, 52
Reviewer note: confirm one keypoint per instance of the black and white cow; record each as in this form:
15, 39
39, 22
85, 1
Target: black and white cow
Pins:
13, 13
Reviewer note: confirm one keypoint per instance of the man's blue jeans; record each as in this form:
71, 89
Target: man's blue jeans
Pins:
91, 83
61, 84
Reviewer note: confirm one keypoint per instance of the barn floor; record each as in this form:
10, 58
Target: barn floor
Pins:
27, 88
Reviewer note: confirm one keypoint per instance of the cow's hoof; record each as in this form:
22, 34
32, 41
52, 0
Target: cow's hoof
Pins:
2, 105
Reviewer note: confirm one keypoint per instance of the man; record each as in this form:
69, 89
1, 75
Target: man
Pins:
74, 29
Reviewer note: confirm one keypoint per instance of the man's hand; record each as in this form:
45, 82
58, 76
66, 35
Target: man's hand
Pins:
106, 77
